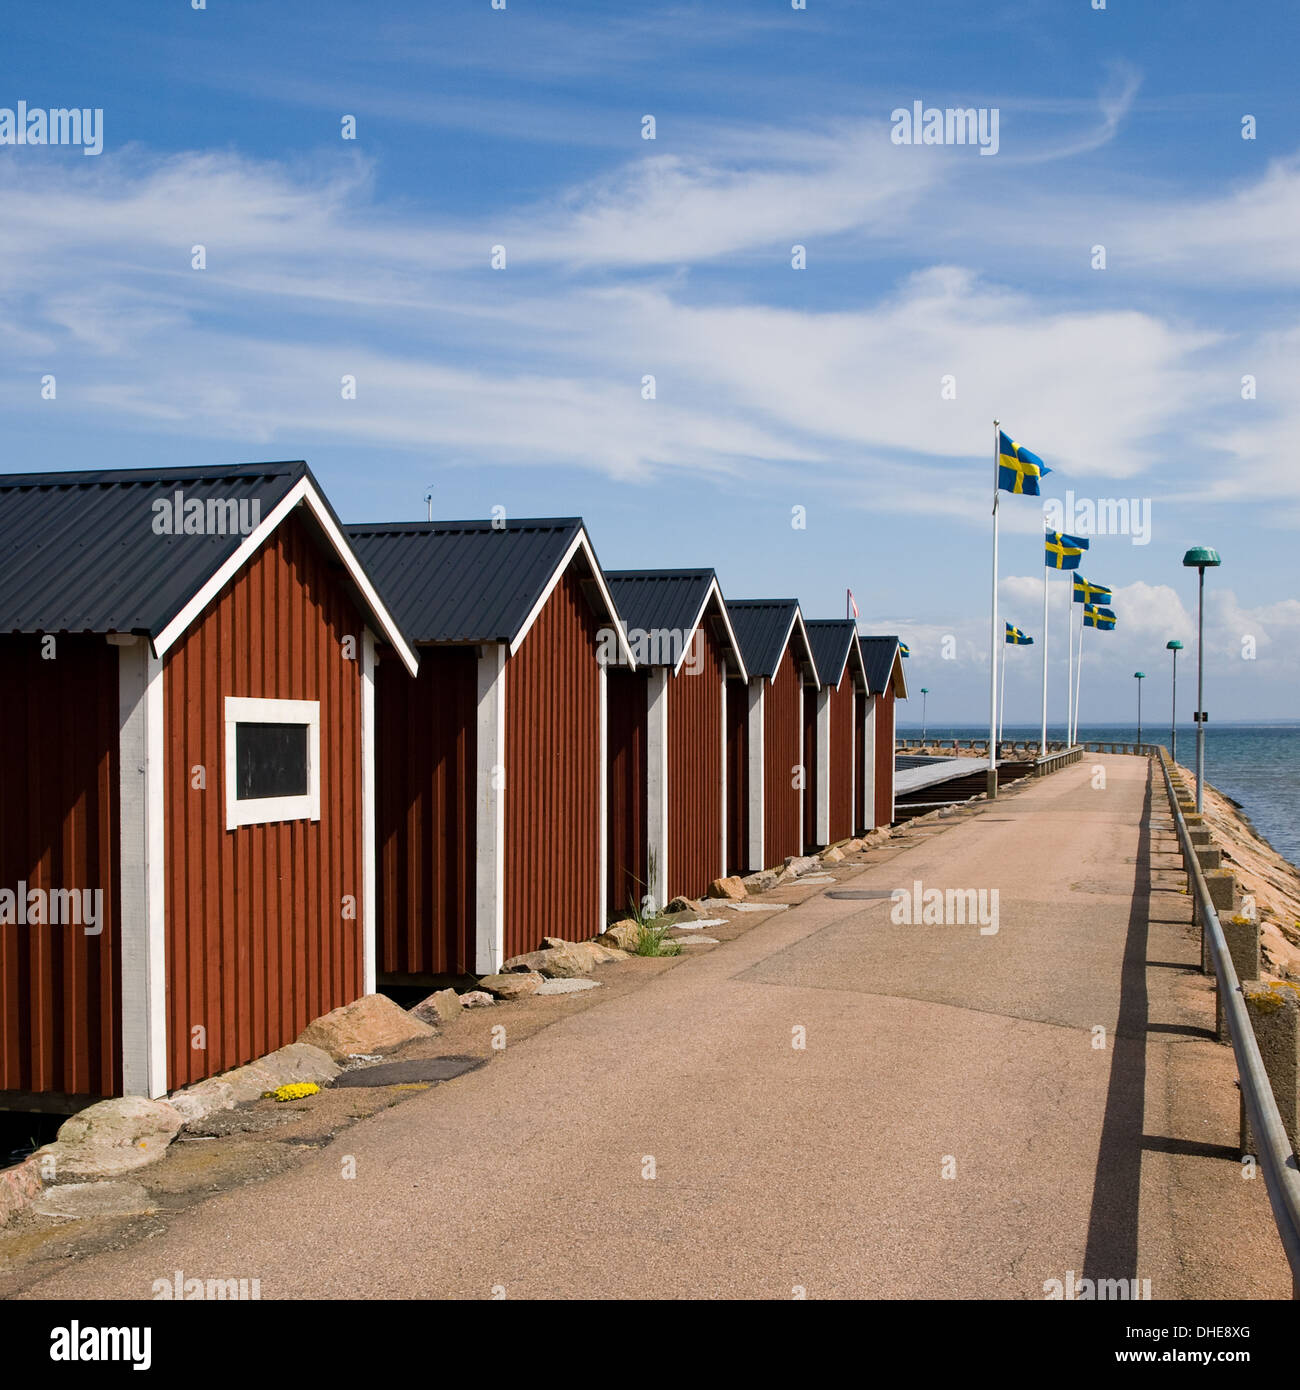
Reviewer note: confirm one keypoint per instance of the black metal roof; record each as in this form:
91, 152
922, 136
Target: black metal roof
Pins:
831, 640
464, 581
761, 626
79, 551
659, 601
879, 654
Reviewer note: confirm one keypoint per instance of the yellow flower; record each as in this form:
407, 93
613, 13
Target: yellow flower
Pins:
295, 1090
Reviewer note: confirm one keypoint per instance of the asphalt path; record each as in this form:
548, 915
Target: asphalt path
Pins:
833, 1104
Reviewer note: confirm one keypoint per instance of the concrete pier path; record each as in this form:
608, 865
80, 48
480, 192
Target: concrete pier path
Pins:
972, 1116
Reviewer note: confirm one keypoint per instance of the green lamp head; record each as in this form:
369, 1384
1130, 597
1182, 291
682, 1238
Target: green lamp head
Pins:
1201, 557
1140, 675
1174, 646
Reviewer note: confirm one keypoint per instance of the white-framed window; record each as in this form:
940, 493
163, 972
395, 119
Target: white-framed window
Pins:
272, 761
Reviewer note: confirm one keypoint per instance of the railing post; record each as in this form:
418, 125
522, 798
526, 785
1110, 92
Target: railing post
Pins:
1242, 936
1274, 1011
1222, 884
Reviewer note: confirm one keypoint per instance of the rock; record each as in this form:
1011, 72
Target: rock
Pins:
203, 1099
82, 1199
797, 864
372, 1023
833, 855
731, 888
761, 882
566, 986
112, 1137
565, 960
440, 1007
680, 904
512, 984
624, 936
18, 1185
606, 953
476, 999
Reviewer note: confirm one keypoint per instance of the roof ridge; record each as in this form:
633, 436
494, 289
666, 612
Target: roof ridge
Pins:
108, 476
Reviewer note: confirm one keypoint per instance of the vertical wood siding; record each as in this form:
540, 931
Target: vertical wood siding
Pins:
257, 944
425, 818
59, 988
626, 777
782, 752
738, 778
842, 700
552, 852
884, 756
861, 814
695, 768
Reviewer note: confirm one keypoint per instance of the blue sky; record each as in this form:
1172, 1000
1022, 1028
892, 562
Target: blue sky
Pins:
776, 388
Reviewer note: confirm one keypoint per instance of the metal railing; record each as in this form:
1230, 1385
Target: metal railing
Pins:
1281, 1174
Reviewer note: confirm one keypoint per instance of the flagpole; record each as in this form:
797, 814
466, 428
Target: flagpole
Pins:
1078, 674
993, 634
1069, 679
1042, 744
1077, 671
1002, 694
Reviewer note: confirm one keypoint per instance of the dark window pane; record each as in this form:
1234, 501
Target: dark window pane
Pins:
270, 760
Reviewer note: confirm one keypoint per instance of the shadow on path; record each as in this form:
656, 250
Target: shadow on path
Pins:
1113, 1221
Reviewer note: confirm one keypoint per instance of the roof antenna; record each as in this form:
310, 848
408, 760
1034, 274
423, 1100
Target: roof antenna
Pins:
428, 497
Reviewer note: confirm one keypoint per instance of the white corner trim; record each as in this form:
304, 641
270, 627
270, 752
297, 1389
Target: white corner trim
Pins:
893, 757
490, 811
722, 848
302, 491
265, 810
757, 766
603, 802
869, 764
142, 849
803, 829
657, 787
823, 799
853, 763
369, 916
579, 542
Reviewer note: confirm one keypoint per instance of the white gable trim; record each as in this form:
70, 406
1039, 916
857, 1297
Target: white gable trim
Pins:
713, 591
579, 542
797, 621
302, 491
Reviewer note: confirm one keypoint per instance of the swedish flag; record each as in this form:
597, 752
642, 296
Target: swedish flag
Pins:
1087, 592
1016, 638
1018, 469
904, 649
1064, 552
1102, 618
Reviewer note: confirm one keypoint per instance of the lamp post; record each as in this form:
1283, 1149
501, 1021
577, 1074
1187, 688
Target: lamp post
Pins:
1139, 676
1174, 646
924, 693
1200, 558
